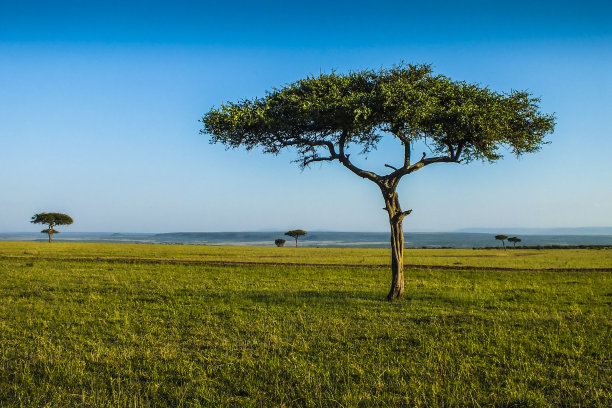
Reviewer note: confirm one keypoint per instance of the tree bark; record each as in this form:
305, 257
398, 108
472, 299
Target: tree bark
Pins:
397, 261
396, 218
50, 235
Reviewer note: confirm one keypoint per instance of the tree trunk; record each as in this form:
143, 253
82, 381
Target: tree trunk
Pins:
396, 217
50, 235
296, 242
397, 261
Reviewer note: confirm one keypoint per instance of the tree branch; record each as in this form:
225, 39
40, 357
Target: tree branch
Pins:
454, 157
425, 162
400, 216
307, 161
450, 149
459, 150
297, 141
391, 167
440, 159
406, 153
308, 149
398, 173
344, 159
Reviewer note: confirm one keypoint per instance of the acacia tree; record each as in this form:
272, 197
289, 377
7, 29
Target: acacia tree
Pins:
295, 234
52, 220
502, 238
514, 241
322, 118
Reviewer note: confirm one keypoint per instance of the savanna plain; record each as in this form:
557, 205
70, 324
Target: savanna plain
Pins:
186, 326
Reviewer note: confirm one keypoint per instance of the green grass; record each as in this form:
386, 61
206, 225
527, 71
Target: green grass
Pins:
98, 333
519, 258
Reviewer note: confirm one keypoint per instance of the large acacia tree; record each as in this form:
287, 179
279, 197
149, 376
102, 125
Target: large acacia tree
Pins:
324, 117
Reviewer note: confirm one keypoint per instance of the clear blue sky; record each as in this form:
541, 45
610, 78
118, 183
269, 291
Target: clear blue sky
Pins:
100, 101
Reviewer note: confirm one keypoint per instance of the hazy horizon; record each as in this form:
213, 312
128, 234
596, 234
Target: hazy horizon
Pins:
325, 239
603, 230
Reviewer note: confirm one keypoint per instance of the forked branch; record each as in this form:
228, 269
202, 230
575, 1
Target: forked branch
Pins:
399, 217
344, 159
309, 160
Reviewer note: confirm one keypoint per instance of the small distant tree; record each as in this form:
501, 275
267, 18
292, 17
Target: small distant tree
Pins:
296, 234
514, 241
279, 242
502, 238
51, 219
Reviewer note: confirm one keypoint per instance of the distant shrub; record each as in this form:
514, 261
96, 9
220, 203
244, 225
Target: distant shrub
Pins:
279, 242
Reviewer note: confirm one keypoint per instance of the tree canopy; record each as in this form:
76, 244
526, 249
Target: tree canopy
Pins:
323, 118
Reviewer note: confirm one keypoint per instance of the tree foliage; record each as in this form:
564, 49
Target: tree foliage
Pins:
323, 117
279, 242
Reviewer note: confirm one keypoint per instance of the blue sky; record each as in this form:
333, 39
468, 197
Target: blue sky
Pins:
100, 101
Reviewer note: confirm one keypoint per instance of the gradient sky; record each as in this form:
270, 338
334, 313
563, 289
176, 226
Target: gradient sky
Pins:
100, 102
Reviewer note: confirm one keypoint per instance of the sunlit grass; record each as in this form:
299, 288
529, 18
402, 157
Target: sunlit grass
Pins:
95, 333
511, 258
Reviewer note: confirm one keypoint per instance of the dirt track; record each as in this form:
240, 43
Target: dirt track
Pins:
317, 265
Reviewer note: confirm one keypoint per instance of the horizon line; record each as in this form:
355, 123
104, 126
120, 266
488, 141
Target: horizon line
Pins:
465, 230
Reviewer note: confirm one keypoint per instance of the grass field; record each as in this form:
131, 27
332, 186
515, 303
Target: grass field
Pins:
511, 258
79, 330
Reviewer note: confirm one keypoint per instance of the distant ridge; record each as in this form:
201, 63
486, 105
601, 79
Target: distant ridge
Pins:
542, 231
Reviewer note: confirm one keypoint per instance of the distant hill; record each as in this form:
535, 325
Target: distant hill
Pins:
542, 231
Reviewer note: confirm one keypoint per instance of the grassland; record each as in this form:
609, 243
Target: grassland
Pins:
77, 329
511, 258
